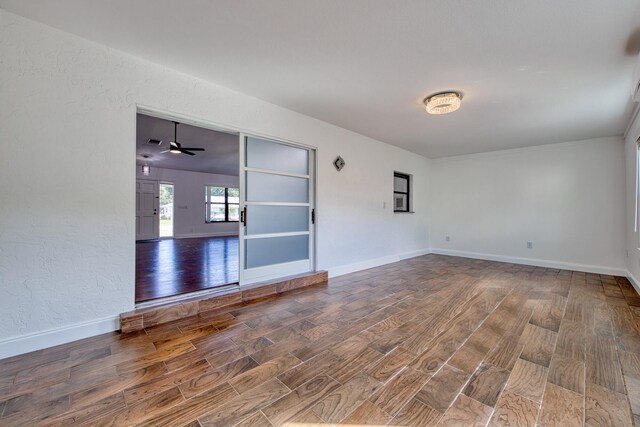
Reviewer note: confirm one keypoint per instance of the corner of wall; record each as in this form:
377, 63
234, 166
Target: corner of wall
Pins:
363, 265
634, 282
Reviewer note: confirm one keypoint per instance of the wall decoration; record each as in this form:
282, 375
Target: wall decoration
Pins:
339, 163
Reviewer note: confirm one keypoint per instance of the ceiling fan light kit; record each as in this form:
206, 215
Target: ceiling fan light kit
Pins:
176, 148
443, 102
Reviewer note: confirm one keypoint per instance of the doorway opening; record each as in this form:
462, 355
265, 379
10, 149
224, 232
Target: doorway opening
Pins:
187, 208
166, 209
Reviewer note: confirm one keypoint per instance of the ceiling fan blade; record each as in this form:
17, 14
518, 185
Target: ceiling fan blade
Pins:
165, 151
183, 151
192, 149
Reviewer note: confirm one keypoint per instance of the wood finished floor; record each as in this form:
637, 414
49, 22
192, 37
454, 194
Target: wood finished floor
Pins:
177, 266
432, 340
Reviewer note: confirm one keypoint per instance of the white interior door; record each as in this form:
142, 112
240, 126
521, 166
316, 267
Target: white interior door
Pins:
147, 202
277, 210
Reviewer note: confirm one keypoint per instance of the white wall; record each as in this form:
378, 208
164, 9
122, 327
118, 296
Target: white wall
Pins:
568, 199
189, 220
67, 232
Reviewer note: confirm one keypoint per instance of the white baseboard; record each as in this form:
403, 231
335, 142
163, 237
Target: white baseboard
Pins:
535, 262
43, 339
363, 265
352, 268
51, 337
218, 234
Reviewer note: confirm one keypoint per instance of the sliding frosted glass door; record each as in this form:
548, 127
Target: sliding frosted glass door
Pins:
277, 209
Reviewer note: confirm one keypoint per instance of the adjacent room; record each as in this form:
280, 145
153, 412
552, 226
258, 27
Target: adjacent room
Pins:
320, 212
187, 208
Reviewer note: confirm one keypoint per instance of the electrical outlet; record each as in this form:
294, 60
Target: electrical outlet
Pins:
447, 238
529, 245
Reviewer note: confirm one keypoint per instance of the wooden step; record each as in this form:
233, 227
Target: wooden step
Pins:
139, 319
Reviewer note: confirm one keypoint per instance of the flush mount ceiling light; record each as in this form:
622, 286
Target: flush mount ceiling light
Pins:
443, 102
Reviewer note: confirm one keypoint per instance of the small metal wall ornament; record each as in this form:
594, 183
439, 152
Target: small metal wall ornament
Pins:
339, 163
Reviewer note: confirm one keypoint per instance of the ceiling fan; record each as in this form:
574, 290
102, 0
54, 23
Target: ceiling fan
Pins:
176, 148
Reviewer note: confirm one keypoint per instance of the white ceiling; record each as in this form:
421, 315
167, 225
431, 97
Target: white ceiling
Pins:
532, 71
221, 153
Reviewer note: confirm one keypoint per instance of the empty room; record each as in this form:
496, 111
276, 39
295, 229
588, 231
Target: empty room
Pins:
316, 213
180, 247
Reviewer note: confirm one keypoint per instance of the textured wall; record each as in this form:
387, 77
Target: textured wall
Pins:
67, 165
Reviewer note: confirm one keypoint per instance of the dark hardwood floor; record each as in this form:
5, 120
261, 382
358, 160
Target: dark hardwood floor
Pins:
176, 266
429, 341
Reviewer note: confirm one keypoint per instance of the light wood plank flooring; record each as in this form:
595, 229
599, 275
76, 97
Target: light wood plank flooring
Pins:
428, 341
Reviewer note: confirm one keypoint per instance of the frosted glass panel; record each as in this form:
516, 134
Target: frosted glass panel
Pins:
264, 187
269, 155
277, 219
275, 250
